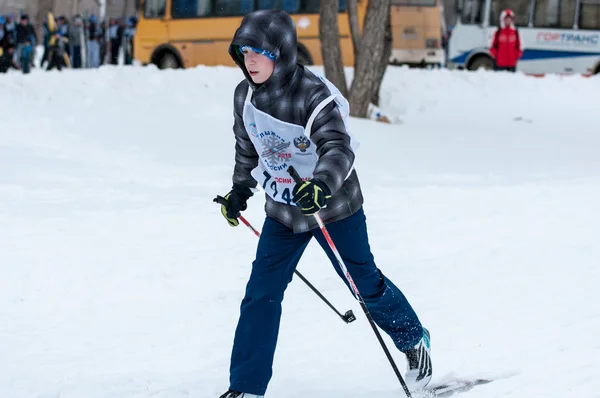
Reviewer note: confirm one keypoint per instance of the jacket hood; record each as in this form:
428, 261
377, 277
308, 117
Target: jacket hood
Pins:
274, 31
504, 14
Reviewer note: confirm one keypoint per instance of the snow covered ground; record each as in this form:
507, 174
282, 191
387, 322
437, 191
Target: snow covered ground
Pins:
119, 277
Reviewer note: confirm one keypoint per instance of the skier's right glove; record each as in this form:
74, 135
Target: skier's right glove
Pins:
236, 203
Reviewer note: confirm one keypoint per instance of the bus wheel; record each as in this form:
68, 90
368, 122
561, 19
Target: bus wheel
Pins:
168, 61
304, 57
481, 61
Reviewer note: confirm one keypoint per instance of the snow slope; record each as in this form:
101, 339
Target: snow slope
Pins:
119, 277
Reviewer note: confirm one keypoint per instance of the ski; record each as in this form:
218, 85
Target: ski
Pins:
452, 387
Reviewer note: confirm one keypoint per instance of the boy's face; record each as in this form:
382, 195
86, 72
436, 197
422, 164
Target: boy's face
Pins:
260, 67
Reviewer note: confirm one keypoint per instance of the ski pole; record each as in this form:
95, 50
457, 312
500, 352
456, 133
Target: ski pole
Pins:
298, 181
347, 317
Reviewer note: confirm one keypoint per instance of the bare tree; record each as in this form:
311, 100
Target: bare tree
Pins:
372, 50
384, 61
330, 44
354, 27
372, 46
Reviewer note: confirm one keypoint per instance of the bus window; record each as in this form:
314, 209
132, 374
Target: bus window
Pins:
414, 3
554, 14
228, 8
472, 12
155, 8
289, 6
190, 8
310, 6
589, 15
521, 8
313, 6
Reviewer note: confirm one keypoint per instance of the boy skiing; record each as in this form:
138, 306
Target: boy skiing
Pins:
286, 116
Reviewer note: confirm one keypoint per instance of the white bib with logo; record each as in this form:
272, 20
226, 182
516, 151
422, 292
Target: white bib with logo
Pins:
280, 145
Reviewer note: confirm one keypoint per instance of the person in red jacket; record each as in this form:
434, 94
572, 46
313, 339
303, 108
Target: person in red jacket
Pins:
507, 44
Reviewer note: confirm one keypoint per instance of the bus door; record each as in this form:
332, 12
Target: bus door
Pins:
185, 29
153, 31
471, 35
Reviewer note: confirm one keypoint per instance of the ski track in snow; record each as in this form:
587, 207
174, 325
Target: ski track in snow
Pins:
121, 279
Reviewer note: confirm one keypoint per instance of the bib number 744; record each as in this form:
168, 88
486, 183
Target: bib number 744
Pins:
275, 188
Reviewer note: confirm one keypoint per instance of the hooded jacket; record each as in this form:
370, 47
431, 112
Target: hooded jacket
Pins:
290, 95
507, 44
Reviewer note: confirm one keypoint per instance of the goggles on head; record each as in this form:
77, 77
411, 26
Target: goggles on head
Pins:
266, 53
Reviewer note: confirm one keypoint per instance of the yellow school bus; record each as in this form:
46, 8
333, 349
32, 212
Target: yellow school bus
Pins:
417, 28
187, 33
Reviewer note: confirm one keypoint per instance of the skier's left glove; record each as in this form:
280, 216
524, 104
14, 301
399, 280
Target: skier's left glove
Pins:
311, 196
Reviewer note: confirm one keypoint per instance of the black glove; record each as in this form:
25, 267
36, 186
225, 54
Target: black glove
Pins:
235, 203
311, 196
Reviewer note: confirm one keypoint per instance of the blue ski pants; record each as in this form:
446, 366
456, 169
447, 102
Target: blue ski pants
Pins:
278, 253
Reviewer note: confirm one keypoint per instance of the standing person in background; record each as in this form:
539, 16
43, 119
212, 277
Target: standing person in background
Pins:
56, 44
104, 41
27, 56
7, 59
3, 35
128, 40
507, 43
10, 29
57, 56
93, 44
26, 40
63, 26
114, 33
21, 33
76, 41
46, 41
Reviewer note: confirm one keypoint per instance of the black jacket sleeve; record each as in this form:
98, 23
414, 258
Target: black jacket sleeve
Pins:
246, 157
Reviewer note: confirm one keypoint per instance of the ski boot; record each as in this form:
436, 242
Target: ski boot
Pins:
419, 369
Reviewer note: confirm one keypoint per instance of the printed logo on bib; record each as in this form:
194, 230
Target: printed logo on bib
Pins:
253, 130
303, 144
274, 154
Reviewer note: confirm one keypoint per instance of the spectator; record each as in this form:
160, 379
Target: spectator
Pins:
76, 37
128, 43
27, 56
46, 39
93, 44
115, 32
7, 60
25, 35
63, 26
3, 35
57, 56
10, 29
507, 44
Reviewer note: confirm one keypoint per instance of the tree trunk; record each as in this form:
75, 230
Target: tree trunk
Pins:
369, 57
387, 52
330, 45
354, 27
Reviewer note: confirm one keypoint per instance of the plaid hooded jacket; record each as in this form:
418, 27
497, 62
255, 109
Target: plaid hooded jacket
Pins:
291, 94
